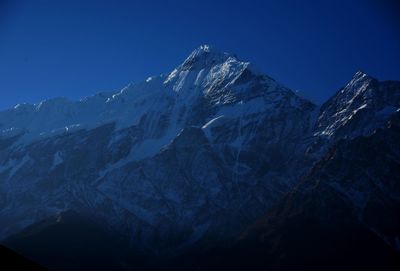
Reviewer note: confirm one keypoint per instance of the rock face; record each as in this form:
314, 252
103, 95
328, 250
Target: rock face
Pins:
357, 109
343, 215
192, 157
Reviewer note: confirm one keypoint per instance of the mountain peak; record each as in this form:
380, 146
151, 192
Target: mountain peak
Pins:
359, 75
202, 56
359, 79
205, 48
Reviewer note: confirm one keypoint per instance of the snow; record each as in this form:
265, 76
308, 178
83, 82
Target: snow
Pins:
209, 124
136, 188
150, 147
149, 79
17, 165
57, 160
200, 77
60, 115
207, 72
111, 167
171, 76
10, 132
127, 106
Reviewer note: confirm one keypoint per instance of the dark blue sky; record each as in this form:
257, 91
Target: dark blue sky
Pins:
77, 48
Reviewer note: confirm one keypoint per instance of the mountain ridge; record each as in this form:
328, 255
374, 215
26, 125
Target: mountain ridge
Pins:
187, 159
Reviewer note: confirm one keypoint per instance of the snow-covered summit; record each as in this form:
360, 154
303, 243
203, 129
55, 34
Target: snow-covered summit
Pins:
204, 56
207, 82
213, 143
202, 125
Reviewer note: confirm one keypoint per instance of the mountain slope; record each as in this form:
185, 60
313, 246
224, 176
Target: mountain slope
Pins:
71, 241
189, 160
363, 105
344, 215
96, 154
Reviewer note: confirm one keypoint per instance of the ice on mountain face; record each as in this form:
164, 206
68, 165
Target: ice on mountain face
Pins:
209, 124
242, 111
151, 146
57, 160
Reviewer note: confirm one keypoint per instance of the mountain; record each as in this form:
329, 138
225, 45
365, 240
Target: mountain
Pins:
357, 109
189, 160
80, 155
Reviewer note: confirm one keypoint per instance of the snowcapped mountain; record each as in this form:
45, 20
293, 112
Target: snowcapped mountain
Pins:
206, 87
191, 157
64, 148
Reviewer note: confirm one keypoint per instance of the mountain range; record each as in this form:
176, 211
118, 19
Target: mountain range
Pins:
213, 165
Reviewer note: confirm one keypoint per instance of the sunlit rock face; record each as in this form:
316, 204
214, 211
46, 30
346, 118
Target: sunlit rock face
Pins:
197, 154
357, 109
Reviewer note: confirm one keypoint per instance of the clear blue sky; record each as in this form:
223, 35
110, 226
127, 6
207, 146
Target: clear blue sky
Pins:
77, 48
